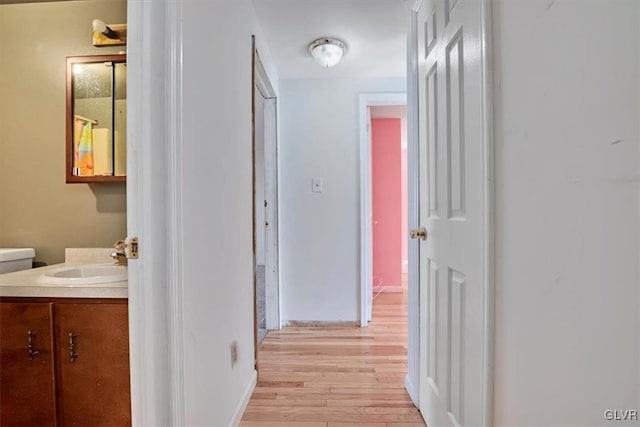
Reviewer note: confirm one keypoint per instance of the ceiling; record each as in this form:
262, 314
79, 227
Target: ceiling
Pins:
374, 31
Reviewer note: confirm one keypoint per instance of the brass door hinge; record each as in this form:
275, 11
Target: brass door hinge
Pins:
132, 248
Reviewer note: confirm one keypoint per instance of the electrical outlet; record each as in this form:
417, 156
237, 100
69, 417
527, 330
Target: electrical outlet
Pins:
234, 353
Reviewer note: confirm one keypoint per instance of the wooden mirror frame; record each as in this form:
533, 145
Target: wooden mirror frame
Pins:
89, 59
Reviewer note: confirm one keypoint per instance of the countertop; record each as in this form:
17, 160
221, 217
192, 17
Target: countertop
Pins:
25, 283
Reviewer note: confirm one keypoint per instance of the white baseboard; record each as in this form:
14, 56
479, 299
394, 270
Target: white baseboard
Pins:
242, 406
414, 396
411, 390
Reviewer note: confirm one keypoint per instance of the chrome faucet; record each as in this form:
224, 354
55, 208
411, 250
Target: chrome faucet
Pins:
119, 255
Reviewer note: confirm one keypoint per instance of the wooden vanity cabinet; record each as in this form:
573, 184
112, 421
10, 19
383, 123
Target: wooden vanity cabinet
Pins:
87, 357
94, 381
26, 365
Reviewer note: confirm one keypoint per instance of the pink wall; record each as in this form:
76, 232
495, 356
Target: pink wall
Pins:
386, 168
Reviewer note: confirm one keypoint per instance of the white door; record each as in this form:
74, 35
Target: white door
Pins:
453, 210
271, 215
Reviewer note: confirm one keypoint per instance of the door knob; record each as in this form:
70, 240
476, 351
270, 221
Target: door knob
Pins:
418, 233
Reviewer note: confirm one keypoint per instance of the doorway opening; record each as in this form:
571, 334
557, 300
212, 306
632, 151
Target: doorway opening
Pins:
389, 236
259, 215
407, 299
389, 198
265, 205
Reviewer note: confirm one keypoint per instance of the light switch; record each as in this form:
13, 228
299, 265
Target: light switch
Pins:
316, 185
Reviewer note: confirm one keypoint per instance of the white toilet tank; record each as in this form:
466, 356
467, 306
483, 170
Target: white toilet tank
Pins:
16, 259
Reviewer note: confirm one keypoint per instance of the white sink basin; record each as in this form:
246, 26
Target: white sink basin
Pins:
90, 274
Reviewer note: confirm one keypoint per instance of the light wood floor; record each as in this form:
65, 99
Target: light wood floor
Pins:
336, 377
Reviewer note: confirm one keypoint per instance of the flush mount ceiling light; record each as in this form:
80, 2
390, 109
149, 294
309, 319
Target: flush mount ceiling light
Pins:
327, 51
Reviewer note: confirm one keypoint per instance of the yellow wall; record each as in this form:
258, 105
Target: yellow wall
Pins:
37, 208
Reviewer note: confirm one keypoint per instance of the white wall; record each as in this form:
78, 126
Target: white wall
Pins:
319, 231
217, 205
568, 210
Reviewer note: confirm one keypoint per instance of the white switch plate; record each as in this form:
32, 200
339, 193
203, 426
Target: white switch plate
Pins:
316, 185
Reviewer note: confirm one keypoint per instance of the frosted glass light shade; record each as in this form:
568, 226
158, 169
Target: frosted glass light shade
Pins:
326, 51
99, 25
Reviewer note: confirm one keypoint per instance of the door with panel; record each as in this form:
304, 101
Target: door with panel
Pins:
93, 364
453, 212
26, 365
272, 274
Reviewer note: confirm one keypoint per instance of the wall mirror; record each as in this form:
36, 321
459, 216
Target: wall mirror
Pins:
96, 118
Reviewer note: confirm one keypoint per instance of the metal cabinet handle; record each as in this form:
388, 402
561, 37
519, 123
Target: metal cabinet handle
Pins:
32, 352
72, 354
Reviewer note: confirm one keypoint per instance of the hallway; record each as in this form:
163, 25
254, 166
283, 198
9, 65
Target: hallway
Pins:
336, 377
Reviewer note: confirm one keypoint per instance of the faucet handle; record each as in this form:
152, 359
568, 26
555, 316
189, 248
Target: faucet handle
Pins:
120, 254
120, 246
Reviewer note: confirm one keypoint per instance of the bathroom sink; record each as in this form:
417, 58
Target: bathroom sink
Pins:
90, 274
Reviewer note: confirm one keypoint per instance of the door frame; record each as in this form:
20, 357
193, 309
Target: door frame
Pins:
366, 211
412, 379
367, 100
272, 279
154, 212
261, 83
488, 141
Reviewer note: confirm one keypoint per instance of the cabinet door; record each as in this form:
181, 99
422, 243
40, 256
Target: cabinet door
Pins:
26, 365
92, 357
